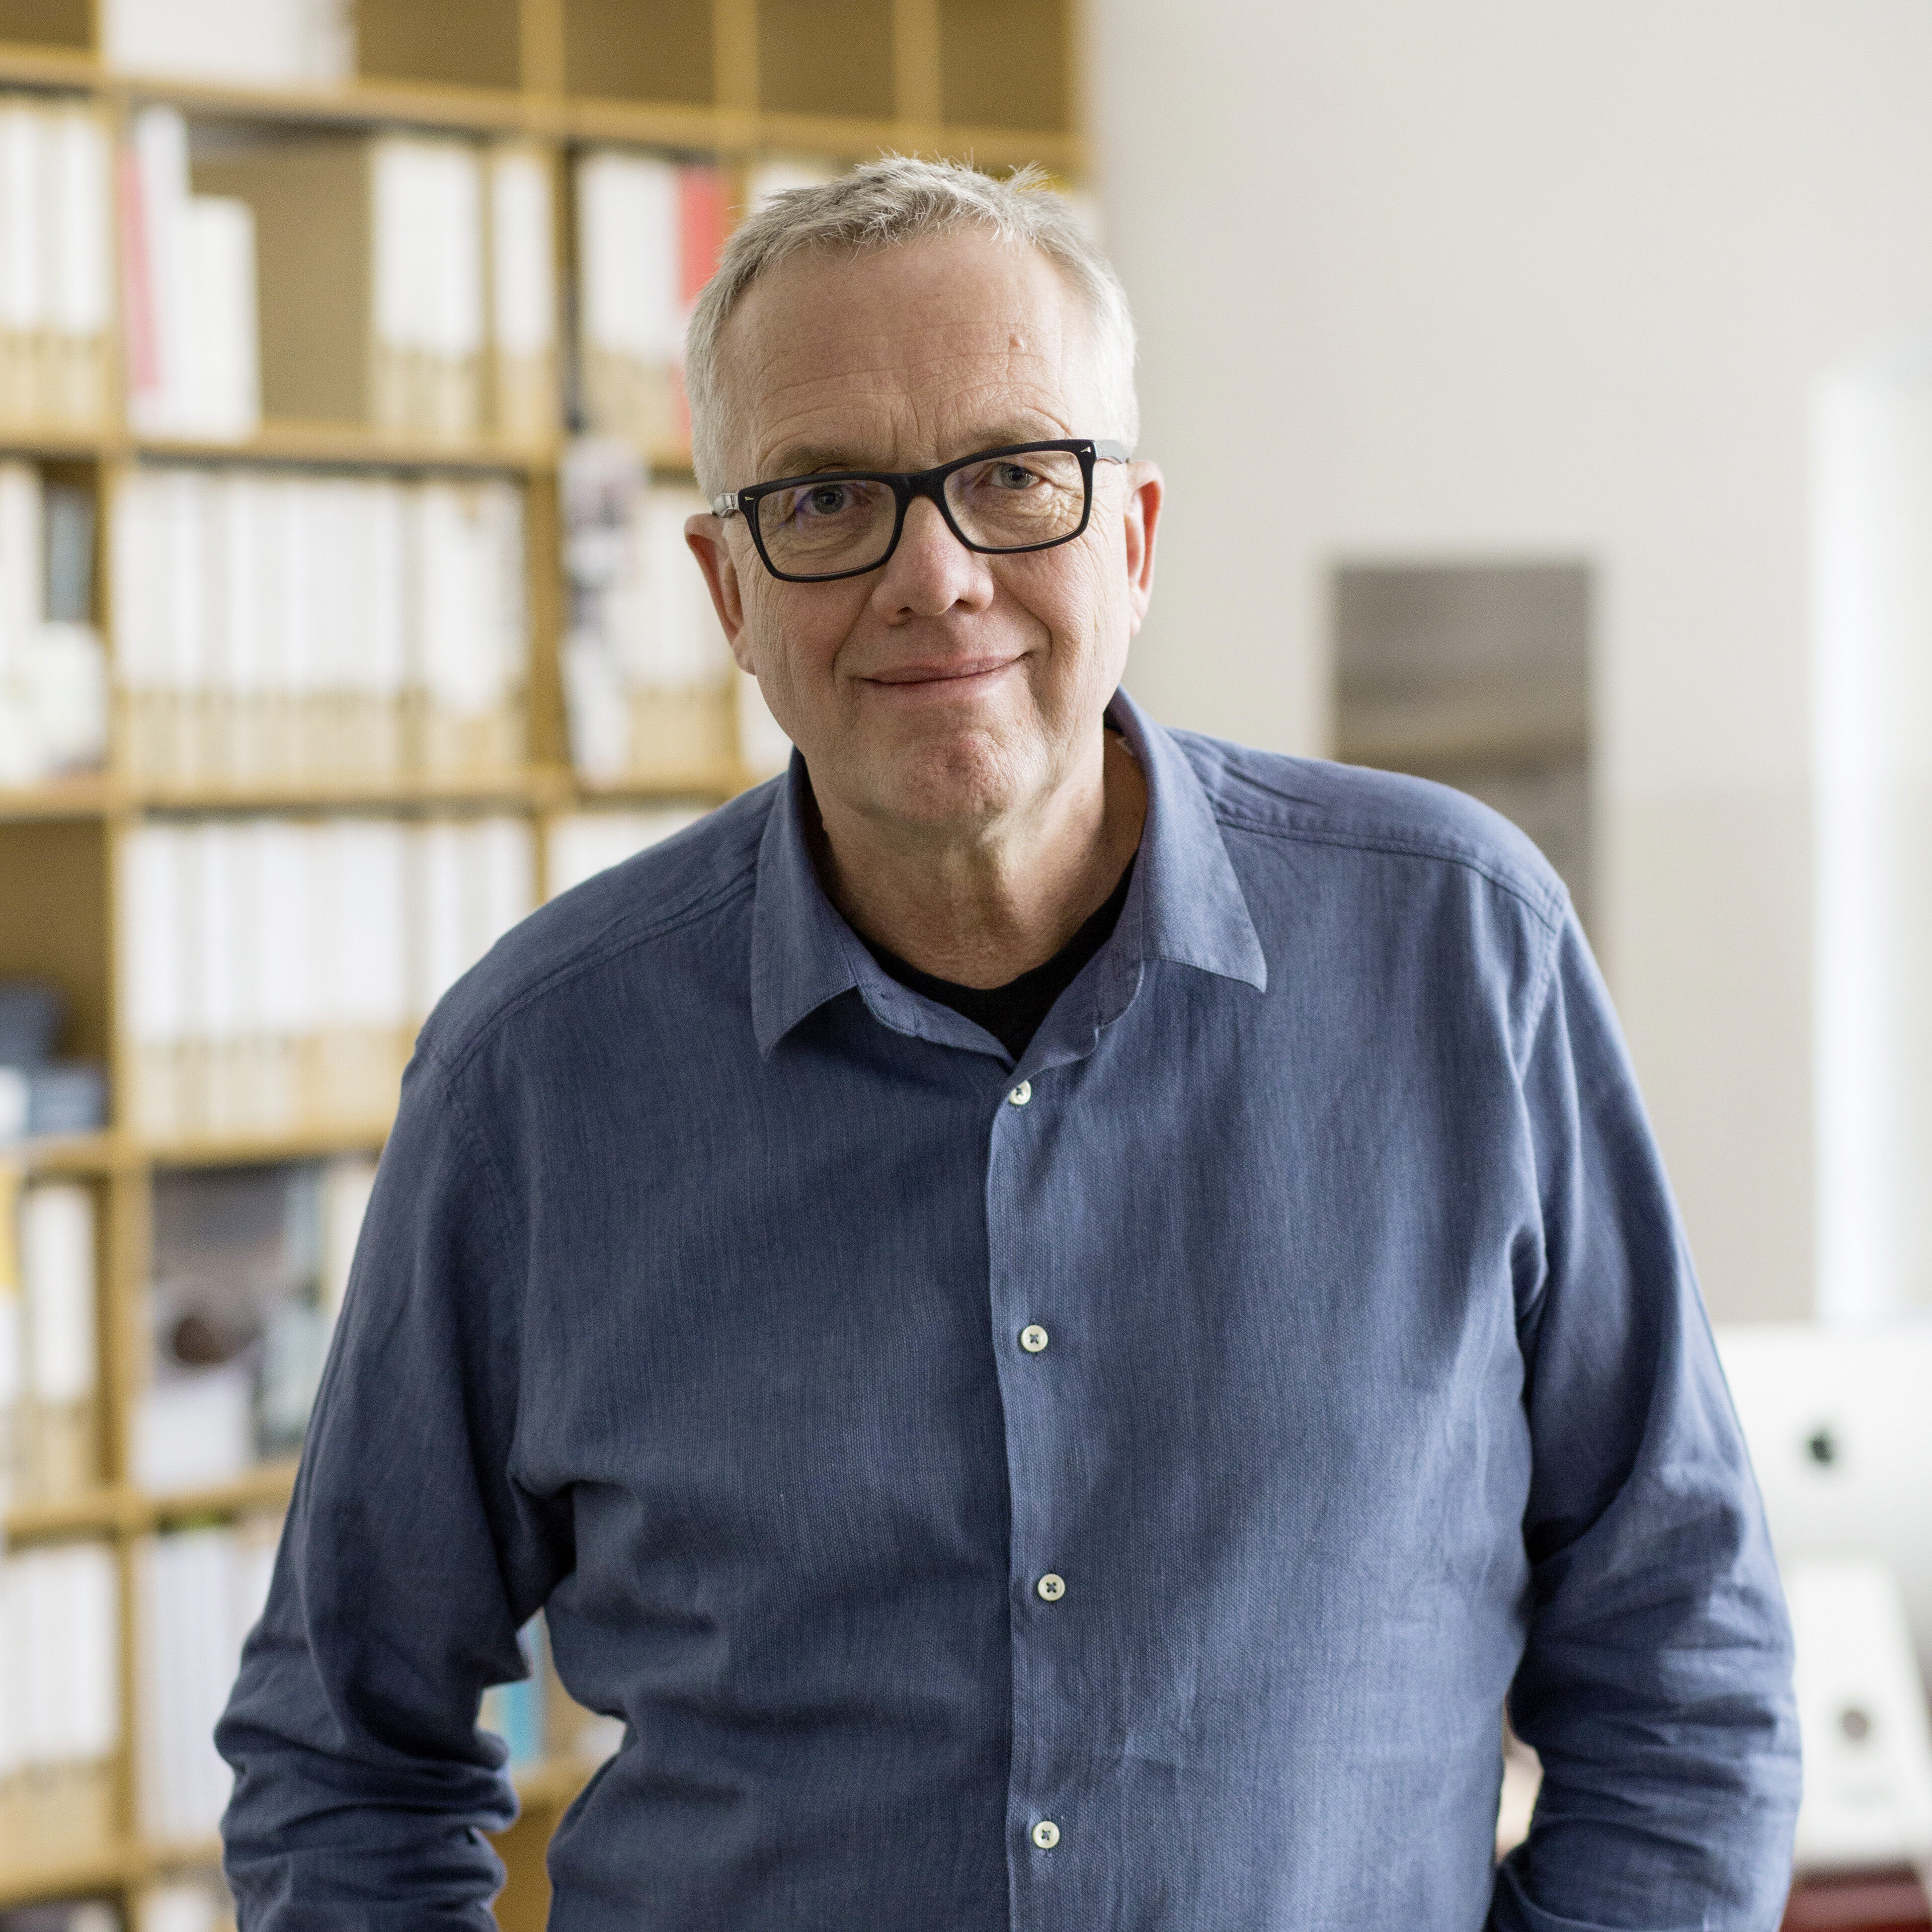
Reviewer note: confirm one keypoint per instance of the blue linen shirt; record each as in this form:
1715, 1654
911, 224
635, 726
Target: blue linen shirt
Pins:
1376, 1388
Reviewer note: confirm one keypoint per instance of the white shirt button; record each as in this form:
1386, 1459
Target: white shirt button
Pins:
1033, 1338
1046, 1834
1051, 1589
1021, 1094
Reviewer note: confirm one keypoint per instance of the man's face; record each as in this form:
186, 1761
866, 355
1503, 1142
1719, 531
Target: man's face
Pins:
946, 690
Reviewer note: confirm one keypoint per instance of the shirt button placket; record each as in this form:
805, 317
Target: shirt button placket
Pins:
1021, 1281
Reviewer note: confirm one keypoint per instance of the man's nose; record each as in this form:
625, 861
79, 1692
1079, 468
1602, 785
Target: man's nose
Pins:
931, 571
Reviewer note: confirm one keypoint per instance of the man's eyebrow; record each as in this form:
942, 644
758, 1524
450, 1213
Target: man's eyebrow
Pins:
806, 459
809, 459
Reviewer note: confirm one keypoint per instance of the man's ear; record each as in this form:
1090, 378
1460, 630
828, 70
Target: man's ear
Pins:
1146, 492
705, 534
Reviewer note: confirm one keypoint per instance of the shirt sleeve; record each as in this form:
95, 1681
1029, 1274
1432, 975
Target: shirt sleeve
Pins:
363, 1787
1656, 1680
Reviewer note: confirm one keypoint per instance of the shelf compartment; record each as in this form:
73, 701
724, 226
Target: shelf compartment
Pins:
1004, 63
467, 44
54, 885
610, 54
826, 57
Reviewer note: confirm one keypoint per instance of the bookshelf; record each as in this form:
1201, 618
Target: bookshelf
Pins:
732, 83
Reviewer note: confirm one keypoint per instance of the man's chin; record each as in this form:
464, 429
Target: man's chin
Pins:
962, 778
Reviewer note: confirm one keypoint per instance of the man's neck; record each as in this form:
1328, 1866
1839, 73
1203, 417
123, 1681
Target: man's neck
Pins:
980, 908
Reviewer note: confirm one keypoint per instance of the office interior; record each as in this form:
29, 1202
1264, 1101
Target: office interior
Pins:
1545, 396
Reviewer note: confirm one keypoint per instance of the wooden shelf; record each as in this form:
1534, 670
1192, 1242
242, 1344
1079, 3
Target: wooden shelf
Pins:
121, 1509
104, 1510
265, 1487
62, 798
361, 103
130, 1862
688, 129
516, 787
261, 1150
730, 131
69, 1153
722, 778
535, 787
348, 443
98, 1872
144, 1860
57, 440
24, 64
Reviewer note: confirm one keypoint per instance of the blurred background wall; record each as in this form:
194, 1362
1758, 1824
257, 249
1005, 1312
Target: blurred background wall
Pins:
1521, 280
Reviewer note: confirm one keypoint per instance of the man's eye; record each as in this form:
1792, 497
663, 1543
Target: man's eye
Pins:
827, 500
1011, 476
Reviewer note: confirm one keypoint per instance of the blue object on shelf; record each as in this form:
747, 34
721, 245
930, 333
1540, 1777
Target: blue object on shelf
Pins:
30, 1013
67, 1097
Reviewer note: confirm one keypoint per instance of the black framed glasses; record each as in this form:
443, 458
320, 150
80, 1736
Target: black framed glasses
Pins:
843, 523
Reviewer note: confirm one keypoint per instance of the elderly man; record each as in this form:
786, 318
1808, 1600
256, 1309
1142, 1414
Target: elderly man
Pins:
1056, 1313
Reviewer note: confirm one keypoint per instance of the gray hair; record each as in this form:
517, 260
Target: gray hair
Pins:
884, 204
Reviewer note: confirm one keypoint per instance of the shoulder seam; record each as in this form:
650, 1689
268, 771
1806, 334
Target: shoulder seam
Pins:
1548, 912
1539, 1003
597, 953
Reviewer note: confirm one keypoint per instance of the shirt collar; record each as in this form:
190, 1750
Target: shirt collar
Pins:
1185, 905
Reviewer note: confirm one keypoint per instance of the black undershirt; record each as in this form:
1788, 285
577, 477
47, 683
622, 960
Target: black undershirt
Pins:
1012, 1013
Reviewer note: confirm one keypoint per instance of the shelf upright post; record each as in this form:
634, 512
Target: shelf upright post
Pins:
734, 40
916, 78
540, 63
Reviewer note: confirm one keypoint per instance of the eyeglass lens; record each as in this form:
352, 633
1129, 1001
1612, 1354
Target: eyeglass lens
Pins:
1015, 501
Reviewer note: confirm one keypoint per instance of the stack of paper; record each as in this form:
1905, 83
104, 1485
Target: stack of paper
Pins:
276, 970
580, 844
40, 1094
648, 680
188, 281
245, 43
53, 672
54, 255
406, 281
197, 1594
523, 295
274, 626
49, 1372
60, 1723
428, 219
648, 233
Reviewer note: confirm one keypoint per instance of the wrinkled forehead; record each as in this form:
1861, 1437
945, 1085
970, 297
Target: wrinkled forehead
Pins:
894, 356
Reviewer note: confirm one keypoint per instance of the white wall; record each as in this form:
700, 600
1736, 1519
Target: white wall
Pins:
1526, 277
1873, 787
